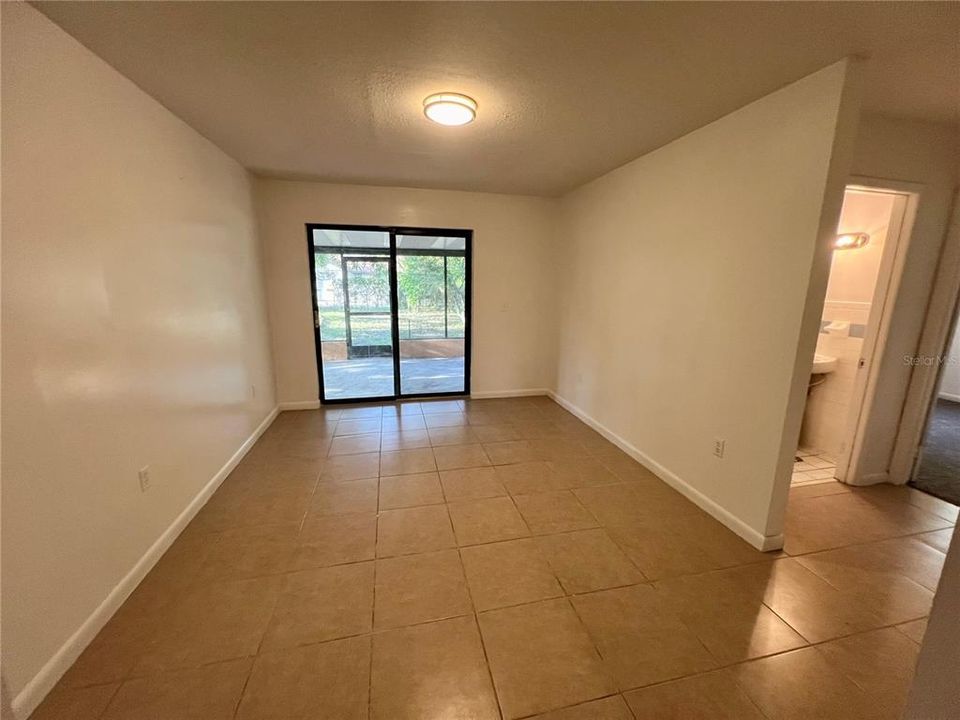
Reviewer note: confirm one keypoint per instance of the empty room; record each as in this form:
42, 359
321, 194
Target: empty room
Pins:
479, 360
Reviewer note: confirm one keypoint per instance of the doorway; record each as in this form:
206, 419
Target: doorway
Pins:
864, 276
391, 310
937, 468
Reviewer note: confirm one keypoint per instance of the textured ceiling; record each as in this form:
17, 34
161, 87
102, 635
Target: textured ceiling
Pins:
567, 91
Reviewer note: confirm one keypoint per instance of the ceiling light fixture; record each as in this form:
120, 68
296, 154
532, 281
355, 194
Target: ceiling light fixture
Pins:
450, 108
850, 241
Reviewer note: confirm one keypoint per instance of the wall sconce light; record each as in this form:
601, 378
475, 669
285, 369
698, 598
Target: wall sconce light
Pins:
850, 241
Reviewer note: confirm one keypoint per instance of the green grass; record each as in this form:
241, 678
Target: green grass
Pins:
375, 329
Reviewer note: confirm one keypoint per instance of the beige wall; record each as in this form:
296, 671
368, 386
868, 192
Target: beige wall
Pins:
514, 250
133, 331
684, 295
924, 154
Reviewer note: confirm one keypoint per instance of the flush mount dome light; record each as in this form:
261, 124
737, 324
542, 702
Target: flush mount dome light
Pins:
450, 108
850, 241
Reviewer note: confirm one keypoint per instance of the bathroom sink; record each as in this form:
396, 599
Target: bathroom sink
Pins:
823, 364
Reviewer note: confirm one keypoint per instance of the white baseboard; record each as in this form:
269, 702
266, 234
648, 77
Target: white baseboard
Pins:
758, 540
299, 405
527, 392
43, 682
950, 396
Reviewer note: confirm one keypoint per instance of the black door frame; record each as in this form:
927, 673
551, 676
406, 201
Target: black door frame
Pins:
393, 231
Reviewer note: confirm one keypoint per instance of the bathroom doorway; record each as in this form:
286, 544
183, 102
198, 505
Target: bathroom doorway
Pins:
864, 276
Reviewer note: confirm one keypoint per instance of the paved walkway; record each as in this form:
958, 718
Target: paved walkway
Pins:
373, 377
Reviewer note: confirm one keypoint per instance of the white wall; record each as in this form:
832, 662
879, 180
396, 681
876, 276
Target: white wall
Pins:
133, 330
925, 154
514, 247
685, 293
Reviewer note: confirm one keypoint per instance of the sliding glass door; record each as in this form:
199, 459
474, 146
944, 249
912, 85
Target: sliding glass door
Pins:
432, 295
391, 311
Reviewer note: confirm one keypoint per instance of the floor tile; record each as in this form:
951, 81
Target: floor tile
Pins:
445, 419
808, 603
405, 491
588, 560
75, 703
711, 696
359, 426
733, 624
938, 540
417, 588
609, 708
553, 512
355, 444
641, 640
404, 440
249, 507
250, 552
542, 658
510, 452
914, 630
295, 684
800, 685
582, 472
833, 521
193, 635
402, 423
210, 692
881, 663
429, 407
344, 498
508, 573
897, 578
407, 462
471, 484
670, 545
497, 432
526, 478
488, 520
351, 467
414, 530
335, 540
451, 457
436, 670
440, 437
322, 604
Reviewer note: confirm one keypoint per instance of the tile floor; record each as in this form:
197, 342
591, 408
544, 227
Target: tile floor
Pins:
498, 559
812, 467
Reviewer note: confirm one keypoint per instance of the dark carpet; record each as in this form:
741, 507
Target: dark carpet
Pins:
939, 471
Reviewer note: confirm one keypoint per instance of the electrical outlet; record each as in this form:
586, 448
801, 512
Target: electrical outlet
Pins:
144, 476
719, 446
